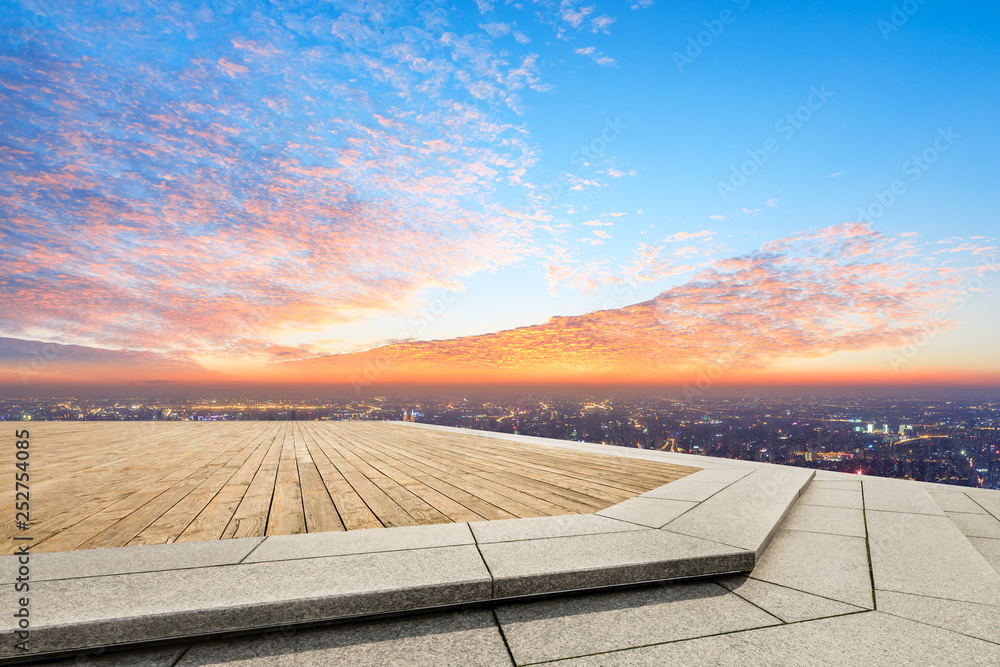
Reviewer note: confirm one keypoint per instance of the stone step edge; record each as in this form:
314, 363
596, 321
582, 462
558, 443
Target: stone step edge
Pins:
52, 634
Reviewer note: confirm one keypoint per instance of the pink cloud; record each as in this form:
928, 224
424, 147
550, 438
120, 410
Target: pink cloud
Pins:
229, 203
820, 293
683, 236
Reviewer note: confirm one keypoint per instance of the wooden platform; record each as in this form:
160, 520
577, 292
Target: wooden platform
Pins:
101, 484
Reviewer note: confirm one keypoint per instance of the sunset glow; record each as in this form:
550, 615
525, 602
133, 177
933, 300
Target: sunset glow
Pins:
494, 194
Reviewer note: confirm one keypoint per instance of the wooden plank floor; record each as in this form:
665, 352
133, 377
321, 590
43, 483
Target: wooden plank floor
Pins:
112, 484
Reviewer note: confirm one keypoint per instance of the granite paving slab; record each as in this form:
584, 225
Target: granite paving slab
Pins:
822, 519
956, 502
831, 566
725, 475
460, 639
596, 622
696, 490
975, 620
157, 657
342, 543
748, 512
828, 497
142, 558
116, 609
589, 561
788, 604
988, 500
509, 530
976, 525
869, 638
989, 549
927, 555
894, 495
815, 567
649, 512
840, 484
830, 475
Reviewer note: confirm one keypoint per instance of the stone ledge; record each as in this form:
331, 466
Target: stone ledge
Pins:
747, 513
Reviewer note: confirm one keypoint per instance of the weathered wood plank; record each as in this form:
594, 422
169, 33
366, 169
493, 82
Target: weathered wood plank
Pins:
250, 517
320, 512
287, 515
351, 507
114, 483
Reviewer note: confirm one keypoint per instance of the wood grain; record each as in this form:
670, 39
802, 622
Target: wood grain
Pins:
110, 484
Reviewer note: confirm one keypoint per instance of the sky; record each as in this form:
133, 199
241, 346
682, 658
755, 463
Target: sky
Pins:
355, 194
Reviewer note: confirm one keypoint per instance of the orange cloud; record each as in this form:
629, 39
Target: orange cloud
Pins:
841, 289
805, 296
215, 207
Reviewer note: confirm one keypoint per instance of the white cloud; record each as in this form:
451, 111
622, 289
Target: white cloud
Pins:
595, 55
683, 236
496, 29
573, 16
601, 24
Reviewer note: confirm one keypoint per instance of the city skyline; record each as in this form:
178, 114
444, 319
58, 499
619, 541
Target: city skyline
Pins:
947, 439
371, 195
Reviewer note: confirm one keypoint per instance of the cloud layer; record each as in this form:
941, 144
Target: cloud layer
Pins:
188, 188
208, 181
843, 288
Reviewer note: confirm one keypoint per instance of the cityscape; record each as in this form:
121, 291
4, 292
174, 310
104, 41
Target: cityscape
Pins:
953, 441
